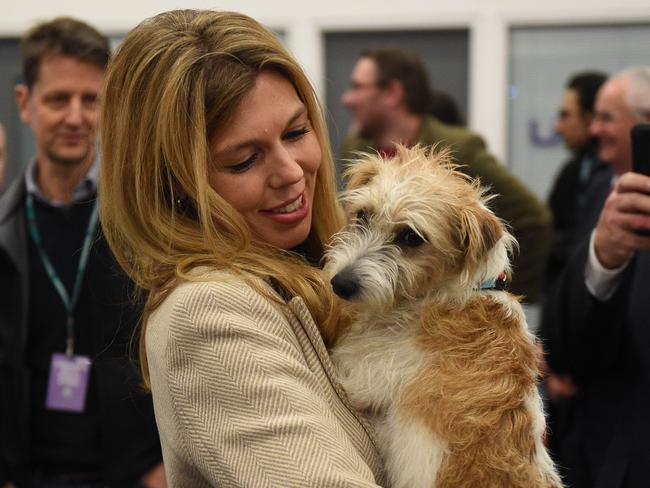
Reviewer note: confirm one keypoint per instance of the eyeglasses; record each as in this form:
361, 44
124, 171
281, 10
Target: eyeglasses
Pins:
356, 86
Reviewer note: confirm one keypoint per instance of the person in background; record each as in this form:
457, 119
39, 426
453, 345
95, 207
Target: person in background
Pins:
218, 198
570, 225
71, 410
390, 101
567, 195
595, 326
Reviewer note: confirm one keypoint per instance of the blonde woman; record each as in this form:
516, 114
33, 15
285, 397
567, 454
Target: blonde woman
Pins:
217, 196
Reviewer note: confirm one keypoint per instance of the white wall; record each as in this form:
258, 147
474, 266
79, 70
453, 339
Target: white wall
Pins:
304, 22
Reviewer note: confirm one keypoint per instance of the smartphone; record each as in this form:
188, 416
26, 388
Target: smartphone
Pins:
641, 155
641, 149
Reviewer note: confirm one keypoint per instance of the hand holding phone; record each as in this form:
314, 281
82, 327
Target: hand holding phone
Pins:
640, 134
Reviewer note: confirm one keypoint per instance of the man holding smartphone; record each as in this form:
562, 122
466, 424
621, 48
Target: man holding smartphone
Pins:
597, 328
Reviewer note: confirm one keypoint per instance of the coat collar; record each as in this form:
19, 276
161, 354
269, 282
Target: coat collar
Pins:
14, 197
13, 237
13, 242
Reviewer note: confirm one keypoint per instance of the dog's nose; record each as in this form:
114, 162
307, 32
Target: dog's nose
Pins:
345, 284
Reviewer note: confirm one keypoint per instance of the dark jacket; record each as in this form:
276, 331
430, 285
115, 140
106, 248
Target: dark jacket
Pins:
129, 438
605, 347
515, 204
568, 201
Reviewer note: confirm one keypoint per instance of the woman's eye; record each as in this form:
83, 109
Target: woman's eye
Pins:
409, 238
243, 166
296, 134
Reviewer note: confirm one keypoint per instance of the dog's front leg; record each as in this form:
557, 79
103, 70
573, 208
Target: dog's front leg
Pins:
412, 453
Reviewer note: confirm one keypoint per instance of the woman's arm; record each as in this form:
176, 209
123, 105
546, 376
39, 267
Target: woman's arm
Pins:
248, 408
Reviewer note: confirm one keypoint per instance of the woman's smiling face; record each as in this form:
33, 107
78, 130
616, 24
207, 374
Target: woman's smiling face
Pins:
264, 162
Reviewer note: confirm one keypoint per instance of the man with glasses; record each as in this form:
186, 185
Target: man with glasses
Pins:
571, 222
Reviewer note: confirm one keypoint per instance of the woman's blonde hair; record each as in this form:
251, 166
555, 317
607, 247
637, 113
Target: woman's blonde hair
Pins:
173, 83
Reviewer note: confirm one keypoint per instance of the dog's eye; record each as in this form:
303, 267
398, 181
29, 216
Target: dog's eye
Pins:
409, 238
362, 217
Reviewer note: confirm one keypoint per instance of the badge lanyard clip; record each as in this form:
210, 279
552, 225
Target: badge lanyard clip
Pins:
70, 303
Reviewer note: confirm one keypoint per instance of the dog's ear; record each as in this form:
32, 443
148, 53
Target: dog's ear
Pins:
361, 171
480, 231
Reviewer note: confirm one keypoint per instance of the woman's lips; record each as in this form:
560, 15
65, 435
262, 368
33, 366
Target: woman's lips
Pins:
291, 212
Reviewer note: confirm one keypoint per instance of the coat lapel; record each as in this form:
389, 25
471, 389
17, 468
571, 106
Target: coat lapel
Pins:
12, 225
300, 310
13, 241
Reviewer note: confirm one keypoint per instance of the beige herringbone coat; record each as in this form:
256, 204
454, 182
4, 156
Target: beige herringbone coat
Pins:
245, 395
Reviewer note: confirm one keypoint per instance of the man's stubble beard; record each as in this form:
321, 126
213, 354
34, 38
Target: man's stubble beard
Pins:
371, 130
53, 156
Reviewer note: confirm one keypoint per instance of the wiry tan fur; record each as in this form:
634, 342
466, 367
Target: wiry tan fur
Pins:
447, 370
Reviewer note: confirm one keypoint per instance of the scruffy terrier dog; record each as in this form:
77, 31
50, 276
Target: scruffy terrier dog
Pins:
440, 357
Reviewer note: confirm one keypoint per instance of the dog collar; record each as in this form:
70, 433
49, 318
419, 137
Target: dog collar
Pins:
500, 284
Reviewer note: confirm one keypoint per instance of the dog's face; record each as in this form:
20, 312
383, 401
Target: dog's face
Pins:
418, 228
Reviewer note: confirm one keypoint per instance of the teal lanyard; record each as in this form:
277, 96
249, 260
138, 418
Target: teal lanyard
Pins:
69, 303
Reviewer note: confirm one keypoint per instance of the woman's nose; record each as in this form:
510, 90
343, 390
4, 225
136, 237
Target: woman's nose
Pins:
287, 170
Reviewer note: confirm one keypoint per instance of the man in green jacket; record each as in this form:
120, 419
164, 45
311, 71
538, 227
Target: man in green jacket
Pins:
389, 97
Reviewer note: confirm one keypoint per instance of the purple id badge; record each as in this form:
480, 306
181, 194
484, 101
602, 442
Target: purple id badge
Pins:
68, 383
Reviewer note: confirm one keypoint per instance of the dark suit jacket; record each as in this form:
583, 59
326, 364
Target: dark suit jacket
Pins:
605, 347
567, 201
